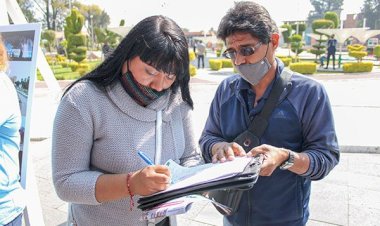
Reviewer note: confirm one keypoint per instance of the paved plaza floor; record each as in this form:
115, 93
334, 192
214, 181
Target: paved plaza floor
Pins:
350, 195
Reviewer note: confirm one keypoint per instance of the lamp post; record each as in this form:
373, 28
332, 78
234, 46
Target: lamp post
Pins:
92, 32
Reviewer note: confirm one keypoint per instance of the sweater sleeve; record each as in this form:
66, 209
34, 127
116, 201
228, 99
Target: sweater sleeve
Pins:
192, 155
72, 141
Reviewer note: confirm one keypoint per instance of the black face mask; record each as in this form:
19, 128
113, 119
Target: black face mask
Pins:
143, 95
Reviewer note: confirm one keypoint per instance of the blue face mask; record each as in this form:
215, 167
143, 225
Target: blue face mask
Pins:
253, 73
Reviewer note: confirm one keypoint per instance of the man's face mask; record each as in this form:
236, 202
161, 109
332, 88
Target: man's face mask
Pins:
252, 73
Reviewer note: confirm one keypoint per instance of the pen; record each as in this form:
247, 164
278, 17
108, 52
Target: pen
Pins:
145, 158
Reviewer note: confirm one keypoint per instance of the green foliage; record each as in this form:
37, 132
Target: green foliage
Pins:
191, 55
358, 67
376, 51
332, 16
74, 22
301, 27
321, 23
322, 6
287, 33
122, 23
371, 11
215, 65
49, 37
227, 63
76, 42
304, 67
296, 44
218, 52
285, 60
73, 66
193, 70
357, 51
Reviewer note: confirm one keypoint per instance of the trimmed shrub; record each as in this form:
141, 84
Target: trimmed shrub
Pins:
215, 65
304, 67
227, 63
64, 64
357, 51
73, 66
218, 52
191, 55
357, 67
285, 60
193, 70
376, 51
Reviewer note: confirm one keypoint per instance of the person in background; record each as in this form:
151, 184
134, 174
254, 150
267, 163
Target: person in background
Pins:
201, 51
12, 195
299, 144
331, 49
106, 49
138, 99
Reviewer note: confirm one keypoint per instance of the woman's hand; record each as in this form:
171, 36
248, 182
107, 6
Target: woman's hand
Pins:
225, 151
149, 180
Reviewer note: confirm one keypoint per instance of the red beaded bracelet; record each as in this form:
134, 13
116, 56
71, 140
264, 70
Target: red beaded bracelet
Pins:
131, 202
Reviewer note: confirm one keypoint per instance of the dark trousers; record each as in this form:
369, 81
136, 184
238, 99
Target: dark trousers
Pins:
328, 59
201, 58
16, 222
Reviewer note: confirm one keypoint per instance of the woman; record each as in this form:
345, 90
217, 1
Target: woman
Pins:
12, 198
138, 99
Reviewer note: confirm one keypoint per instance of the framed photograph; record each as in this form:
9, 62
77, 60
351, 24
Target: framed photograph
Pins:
21, 42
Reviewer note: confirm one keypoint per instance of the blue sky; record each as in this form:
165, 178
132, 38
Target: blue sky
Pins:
198, 15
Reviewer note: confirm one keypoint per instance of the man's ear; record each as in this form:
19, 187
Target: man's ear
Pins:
275, 40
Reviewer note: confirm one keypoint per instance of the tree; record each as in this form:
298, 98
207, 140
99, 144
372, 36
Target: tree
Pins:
296, 44
357, 51
333, 17
322, 6
122, 23
371, 11
76, 41
319, 48
49, 36
27, 7
286, 34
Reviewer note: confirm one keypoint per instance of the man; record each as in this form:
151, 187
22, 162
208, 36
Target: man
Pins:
201, 50
106, 49
299, 144
331, 49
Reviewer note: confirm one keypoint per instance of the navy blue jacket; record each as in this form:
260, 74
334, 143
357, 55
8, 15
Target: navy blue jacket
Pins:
302, 122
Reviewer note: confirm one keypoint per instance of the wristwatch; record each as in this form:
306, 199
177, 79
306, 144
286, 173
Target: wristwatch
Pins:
289, 162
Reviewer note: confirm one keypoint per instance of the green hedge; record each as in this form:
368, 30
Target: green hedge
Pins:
215, 64
193, 70
227, 63
357, 67
285, 60
304, 67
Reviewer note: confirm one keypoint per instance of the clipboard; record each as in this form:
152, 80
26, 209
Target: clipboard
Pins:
243, 180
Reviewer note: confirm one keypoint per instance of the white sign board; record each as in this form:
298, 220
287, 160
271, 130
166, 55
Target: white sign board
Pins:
22, 43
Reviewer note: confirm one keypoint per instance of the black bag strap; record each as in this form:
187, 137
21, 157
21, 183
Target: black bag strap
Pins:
259, 124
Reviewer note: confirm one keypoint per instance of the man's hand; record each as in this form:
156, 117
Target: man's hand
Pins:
225, 151
273, 157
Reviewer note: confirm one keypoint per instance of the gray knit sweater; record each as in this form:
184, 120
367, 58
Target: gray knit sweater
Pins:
98, 132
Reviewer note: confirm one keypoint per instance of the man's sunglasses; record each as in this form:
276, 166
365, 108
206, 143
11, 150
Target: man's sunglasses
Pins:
244, 51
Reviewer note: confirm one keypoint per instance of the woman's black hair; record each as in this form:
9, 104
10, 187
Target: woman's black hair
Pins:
250, 17
159, 42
